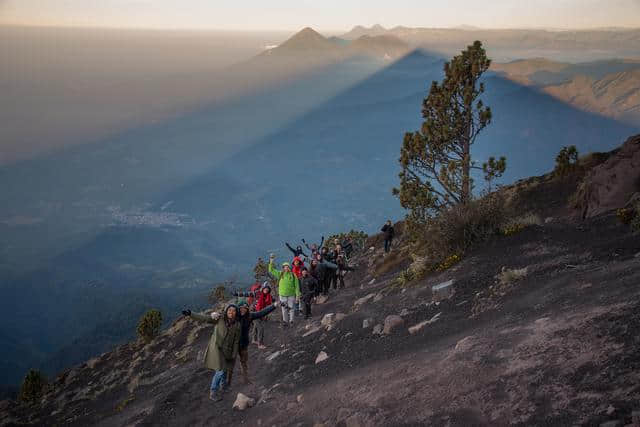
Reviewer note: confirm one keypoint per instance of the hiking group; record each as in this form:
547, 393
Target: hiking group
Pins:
299, 284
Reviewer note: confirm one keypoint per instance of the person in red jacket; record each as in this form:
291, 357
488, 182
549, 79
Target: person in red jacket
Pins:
297, 267
252, 290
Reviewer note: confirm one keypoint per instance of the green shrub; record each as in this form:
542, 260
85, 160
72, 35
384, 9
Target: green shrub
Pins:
149, 325
625, 215
515, 225
218, 294
32, 386
357, 237
404, 278
457, 229
566, 161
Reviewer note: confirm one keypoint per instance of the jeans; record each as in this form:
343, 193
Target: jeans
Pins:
287, 311
218, 380
387, 245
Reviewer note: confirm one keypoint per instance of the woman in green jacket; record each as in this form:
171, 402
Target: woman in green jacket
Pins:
288, 289
223, 345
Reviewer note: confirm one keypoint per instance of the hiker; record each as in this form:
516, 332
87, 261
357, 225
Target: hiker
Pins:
288, 288
308, 285
387, 229
223, 346
343, 267
246, 318
297, 265
328, 269
318, 270
347, 246
297, 251
252, 291
263, 299
313, 248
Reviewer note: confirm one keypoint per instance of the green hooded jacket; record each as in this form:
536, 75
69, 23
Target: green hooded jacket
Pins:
224, 342
288, 284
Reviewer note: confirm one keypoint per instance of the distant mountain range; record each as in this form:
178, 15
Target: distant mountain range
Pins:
610, 88
307, 145
504, 45
312, 45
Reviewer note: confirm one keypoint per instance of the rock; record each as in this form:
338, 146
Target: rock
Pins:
340, 316
637, 255
366, 323
327, 319
272, 356
443, 290
160, 355
322, 356
372, 281
321, 299
377, 330
465, 344
93, 362
312, 331
378, 297
611, 410
635, 418
610, 185
416, 328
291, 406
391, 323
372, 248
404, 312
299, 398
363, 300
614, 423
243, 402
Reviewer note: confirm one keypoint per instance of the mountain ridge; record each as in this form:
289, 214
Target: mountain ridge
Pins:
408, 354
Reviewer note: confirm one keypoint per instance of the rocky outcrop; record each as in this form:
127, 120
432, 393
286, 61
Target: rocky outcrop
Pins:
612, 184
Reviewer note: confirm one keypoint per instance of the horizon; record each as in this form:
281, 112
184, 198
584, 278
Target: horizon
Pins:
332, 16
323, 31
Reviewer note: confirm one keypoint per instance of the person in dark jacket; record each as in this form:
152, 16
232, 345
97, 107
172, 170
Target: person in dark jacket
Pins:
387, 229
308, 285
329, 271
347, 246
313, 248
343, 267
318, 270
297, 251
245, 318
263, 299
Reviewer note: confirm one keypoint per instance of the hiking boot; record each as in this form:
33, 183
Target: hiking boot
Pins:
215, 397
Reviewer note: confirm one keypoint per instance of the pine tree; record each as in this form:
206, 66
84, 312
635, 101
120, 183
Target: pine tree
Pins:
436, 160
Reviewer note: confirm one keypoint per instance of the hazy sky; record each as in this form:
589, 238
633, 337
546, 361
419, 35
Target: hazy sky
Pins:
323, 15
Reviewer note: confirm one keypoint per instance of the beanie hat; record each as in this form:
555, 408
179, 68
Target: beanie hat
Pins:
304, 269
243, 303
286, 264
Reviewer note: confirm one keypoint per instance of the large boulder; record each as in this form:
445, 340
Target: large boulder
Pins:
612, 184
